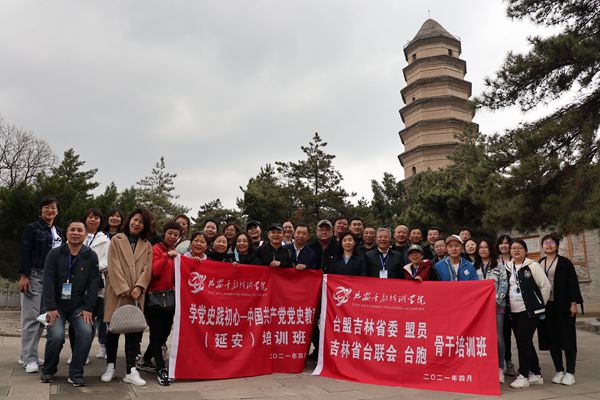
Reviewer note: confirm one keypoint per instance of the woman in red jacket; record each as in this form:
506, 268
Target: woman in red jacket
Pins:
160, 319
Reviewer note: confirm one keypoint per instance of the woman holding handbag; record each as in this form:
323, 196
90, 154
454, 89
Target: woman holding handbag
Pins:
161, 300
129, 272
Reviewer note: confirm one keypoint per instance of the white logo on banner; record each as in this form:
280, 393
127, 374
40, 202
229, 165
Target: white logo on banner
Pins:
341, 295
197, 282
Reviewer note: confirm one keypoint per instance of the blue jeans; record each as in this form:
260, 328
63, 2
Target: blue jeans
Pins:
500, 331
56, 339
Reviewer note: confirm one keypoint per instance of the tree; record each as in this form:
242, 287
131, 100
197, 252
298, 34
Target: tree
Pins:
22, 155
156, 192
214, 210
314, 184
389, 200
265, 199
546, 163
70, 184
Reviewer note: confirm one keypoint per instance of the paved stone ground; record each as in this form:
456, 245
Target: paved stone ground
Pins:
16, 384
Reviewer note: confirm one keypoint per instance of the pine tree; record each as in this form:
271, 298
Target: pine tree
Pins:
156, 192
548, 164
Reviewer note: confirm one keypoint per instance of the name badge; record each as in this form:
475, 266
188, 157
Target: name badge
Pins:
66, 291
383, 273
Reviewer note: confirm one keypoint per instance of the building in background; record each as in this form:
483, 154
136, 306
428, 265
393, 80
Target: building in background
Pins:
435, 97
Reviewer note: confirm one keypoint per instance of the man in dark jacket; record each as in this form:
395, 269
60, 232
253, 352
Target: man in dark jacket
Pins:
383, 262
326, 246
71, 279
303, 257
272, 253
39, 238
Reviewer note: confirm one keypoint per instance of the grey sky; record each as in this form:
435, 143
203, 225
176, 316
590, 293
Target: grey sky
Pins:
220, 88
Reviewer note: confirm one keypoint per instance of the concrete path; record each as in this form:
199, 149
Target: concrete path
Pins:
16, 384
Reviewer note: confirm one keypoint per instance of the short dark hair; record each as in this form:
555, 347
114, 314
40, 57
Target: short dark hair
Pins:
148, 218
199, 233
356, 218
96, 212
301, 225
434, 228
341, 217
440, 238
465, 228
171, 225
47, 200
75, 221
521, 242
228, 224
552, 236
416, 228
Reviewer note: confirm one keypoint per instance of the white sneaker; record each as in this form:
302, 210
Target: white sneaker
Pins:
520, 383
558, 377
569, 379
32, 367
109, 374
501, 375
21, 362
101, 352
535, 379
134, 378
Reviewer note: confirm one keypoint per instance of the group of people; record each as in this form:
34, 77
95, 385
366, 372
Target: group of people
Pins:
85, 275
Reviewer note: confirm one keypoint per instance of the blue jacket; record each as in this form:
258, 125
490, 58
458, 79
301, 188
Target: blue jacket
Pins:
36, 243
466, 271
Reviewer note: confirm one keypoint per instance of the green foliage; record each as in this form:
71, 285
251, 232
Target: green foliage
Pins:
545, 164
389, 200
156, 192
215, 210
265, 199
71, 185
314, 184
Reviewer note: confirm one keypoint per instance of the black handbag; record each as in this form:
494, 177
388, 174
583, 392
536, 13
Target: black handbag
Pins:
161, 300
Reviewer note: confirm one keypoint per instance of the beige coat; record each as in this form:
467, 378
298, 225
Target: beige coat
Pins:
126, 270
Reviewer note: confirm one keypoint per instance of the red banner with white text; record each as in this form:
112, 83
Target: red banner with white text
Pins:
233, 321
429, 335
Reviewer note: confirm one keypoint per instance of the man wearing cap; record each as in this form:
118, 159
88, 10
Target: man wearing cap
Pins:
325, 247
418, 269
272, 253
303, 257
253, 229
383, 262
453, 267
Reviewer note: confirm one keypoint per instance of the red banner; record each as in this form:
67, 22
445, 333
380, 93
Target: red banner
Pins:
429, 335
234, 321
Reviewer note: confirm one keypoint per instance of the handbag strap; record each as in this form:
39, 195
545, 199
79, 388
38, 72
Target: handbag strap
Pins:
119, 302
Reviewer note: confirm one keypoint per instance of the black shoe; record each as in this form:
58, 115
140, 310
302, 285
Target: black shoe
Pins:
76, 381
163, 377
47, 378
145, 366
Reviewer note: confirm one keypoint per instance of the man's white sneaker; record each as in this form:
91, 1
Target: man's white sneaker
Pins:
109, 374
101, 352
501, 375
535, 379
558, 377
569, 379
520, 383
134, 378
32, 367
